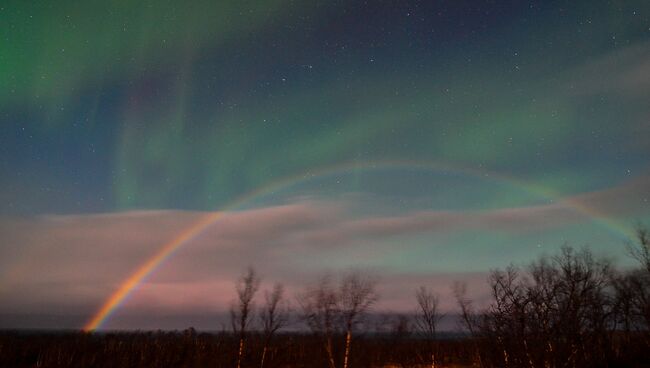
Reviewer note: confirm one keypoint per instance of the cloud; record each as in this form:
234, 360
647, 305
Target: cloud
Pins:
75, 262
626, 70
619, 78
629, 198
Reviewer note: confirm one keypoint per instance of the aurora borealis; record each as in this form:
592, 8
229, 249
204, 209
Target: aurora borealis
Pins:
425, 141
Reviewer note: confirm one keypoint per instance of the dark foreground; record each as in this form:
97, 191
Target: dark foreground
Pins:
191, 349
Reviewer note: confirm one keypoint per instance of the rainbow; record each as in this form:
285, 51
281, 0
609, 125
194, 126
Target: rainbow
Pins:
126, 288
146, 269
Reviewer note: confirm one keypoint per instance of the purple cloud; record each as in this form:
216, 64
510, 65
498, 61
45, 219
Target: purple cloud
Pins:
75, 262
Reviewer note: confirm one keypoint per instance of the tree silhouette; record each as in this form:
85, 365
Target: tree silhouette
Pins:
554, 313
241, 313
357, 293
274, 316
327, 309
633, 289
427, 318
319, 305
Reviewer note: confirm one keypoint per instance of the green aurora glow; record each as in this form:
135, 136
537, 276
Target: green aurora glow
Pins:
396, 107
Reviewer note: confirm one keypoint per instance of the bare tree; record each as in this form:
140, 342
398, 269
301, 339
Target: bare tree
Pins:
427, 318
507, 316
626, 295
357, 293
320, 310
633, 292
469, 319
274, 316
641, 250
241, 314
555, 313
327, 309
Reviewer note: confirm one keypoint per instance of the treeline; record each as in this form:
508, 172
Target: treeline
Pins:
189, 348
569, 310
572, 309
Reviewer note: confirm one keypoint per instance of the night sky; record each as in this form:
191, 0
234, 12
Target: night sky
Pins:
425, 142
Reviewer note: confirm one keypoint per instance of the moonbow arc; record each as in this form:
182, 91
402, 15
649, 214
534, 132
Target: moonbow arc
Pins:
128, 286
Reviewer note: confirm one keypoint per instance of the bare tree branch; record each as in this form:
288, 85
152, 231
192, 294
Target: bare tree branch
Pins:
241, 311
